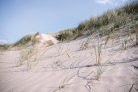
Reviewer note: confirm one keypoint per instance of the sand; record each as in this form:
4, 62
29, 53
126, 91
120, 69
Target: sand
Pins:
65, 67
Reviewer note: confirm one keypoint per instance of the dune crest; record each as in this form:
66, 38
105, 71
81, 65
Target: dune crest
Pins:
44, 38
37, 38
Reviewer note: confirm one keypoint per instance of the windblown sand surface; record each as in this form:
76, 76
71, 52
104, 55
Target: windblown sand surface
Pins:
64, 67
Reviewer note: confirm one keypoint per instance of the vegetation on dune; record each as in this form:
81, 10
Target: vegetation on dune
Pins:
24, 40
4, 46
27, 39
21, 42
111, 21
126, 16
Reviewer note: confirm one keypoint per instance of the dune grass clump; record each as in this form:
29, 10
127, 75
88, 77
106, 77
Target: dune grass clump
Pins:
28, 57
64, 35
69, 34
23, 41
98, 52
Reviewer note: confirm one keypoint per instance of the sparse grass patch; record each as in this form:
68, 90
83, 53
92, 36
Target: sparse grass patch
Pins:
64, 83
84, 45
28, 57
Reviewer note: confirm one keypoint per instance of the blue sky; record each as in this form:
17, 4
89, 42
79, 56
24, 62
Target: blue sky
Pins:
21, 17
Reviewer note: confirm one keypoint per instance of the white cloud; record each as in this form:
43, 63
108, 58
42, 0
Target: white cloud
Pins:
3, 41
112, 2
104, 1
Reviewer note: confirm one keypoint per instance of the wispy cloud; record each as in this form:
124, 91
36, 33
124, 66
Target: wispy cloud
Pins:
112, 2
3, 41
103, 1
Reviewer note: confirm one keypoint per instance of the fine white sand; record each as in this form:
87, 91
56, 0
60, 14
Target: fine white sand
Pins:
64, 67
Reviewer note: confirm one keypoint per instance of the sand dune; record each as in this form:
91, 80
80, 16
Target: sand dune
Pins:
65, 67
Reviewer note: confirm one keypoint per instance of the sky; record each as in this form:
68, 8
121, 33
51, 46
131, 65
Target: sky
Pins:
21, 17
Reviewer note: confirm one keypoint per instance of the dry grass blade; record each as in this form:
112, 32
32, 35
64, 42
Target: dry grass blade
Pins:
131, 88
64, 83
99, 72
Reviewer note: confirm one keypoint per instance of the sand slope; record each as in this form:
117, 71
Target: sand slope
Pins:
65, 67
